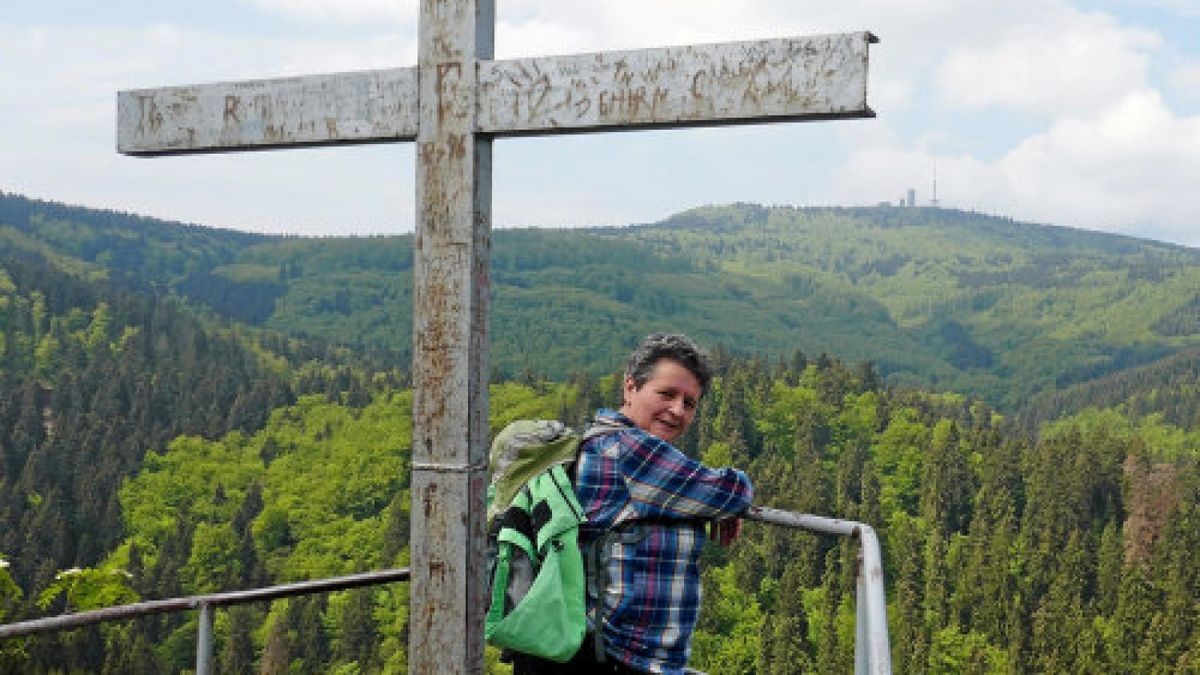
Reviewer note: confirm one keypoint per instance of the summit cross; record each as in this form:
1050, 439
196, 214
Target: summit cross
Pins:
453, 103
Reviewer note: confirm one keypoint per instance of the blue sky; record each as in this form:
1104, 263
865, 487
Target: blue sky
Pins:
1066, 112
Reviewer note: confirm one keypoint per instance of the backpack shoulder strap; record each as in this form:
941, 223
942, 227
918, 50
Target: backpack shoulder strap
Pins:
595, 554
594, 431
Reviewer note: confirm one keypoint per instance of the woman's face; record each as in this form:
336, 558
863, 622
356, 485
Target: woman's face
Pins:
665, 404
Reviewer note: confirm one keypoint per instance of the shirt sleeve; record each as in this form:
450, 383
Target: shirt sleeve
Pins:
665, 483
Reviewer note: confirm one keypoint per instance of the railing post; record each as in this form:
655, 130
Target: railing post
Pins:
879, 654
862, 665
204, 647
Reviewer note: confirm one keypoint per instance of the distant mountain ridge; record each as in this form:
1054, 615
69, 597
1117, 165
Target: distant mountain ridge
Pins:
935, 297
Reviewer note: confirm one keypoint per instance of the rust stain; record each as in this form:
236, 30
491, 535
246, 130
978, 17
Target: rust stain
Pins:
232, 113
264, 107
622, 75
427, 150
430, 499
444, 100
700, 84
437, 570
456, 145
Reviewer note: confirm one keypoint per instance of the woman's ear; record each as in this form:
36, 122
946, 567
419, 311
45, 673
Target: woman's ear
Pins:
626, 390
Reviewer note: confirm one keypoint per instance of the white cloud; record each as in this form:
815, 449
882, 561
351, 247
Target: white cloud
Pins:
1131, 168
1181, 7
342, 10
1081, 62
59, 139
1185, 80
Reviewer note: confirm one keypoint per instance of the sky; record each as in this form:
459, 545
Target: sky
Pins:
1065, 112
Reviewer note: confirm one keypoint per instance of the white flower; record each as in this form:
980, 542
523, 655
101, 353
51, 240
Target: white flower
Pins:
67, 573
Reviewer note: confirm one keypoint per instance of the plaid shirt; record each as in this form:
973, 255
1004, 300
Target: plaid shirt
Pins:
652, 597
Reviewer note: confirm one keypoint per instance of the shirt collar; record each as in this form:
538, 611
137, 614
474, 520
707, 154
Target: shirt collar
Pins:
612, 418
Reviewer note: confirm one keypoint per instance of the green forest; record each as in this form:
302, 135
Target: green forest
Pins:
1012, 406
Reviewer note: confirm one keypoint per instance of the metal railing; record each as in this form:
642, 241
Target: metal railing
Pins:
871, 648
204, 603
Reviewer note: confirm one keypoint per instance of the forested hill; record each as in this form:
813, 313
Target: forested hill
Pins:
122, 244
1168, 388
94, 375
91, 378
936, 298
176, 418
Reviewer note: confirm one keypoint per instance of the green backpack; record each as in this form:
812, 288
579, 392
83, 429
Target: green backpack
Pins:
535, 566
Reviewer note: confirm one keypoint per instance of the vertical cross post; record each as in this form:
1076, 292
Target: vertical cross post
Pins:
450, 337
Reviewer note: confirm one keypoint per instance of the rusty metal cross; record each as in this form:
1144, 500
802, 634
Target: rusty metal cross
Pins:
453, 103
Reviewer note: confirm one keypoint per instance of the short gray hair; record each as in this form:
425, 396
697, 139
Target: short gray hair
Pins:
674, 346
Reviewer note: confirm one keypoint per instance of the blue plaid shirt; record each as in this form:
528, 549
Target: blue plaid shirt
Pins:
652, 596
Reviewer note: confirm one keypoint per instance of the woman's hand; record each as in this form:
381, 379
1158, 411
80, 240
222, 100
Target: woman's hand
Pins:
726, 530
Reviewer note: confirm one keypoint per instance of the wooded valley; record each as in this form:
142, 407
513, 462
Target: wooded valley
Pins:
1013, 406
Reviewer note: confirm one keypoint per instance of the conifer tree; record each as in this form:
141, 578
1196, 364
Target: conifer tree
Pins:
237, 653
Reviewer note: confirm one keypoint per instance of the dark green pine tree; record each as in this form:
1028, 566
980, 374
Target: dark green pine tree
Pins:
849, 481
252, 572
985, 587
1175, 567
831, 655
396, 534
1109, 561
359, 632
1137, 603
870, 491
809, 495
784, 649
786, 646
130, 652
796, 367
947, 485
734, 422
312, 644
277, 649
237, 652
935, 600
1059, 622
910, 642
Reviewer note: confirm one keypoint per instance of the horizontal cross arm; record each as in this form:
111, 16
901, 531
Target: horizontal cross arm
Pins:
805, 78
787, 79
357, 107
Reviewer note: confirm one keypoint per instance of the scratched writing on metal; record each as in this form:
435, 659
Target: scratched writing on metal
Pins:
751, 81
815, 77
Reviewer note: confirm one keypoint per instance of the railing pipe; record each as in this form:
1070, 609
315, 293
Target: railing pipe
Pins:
69, 621
204, 639
871, 572
860, 626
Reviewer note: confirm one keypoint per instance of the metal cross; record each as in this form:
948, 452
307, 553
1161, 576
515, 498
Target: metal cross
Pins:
453, 103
